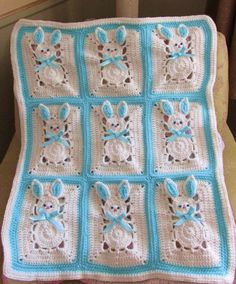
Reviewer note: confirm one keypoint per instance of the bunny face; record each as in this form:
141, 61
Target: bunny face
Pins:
178, 120
115, 122
177, 42
49, 200
42, 48
113, 204
111, 48
54, 125
181, 203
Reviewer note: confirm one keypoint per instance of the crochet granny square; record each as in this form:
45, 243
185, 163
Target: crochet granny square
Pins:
120, 176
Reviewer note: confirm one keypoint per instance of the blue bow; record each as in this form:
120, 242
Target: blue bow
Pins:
113, 60
179, 133
46, 62
181, 53
116, 135
189, 216
44, 216
55, 138
117, 221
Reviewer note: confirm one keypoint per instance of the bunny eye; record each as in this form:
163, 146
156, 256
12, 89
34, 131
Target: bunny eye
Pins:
181, 43
187, 205
115, 49
108, 49
176, 44
50, 206
181, 122
174, 122
57, 127
112, 207
179, 206
118, 207
48, 49
112, 124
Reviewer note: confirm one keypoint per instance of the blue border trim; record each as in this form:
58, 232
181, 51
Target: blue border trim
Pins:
147, 98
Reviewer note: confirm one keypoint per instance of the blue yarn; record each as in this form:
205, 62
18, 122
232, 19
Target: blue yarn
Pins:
37, 188
39, 35
124, 189
184, 106
101, 35
57, 188
120, 35
44, 112
171, 187
56, 37
183, 31
191, 186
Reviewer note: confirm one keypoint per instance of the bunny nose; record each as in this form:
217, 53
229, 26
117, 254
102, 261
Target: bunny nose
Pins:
115, 209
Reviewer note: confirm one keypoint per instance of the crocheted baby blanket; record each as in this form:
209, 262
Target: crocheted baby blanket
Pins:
120, 175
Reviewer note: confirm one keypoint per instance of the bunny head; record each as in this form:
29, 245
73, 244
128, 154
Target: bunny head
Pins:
53, 124
115, 121
49, 200
111, 48
113, 204
45, 48
177, 41
175, 120
182, 203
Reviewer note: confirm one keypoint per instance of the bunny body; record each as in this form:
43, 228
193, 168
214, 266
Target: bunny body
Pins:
179, 145
113, 58
117, 142
188, 227
117, 231
48, 59
56, 147
179, 63
48, 228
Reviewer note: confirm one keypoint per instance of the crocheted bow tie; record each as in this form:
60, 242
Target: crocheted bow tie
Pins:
46, 62
115, 60
44, 216
180, 53
56, 138
179, 133
119, 220
189, 216
116, 135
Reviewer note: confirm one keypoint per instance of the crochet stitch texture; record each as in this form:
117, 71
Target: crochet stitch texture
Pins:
120, 176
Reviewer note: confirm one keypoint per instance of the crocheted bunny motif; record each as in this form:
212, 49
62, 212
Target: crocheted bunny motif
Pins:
48, 227
117, 142
113, 57
56, 147
49, 67
118, 232
180, 146
178, 48
188, 228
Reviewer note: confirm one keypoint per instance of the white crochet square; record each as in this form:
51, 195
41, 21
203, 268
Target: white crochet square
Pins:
195, 242
118, 246
124, 154
39, 242
120, 77
178, 62
174, 152
50, 68
63, 157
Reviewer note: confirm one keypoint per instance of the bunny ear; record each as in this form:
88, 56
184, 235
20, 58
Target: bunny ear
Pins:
107, 109
171, 187
101, 35
38, 35
166, 107
191, 186
183, 31
120, 35
56, 37
37, 188
124, 190
44, 112
184, 106
102, 190
57, 188
166, 33
122, 109
64, 111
